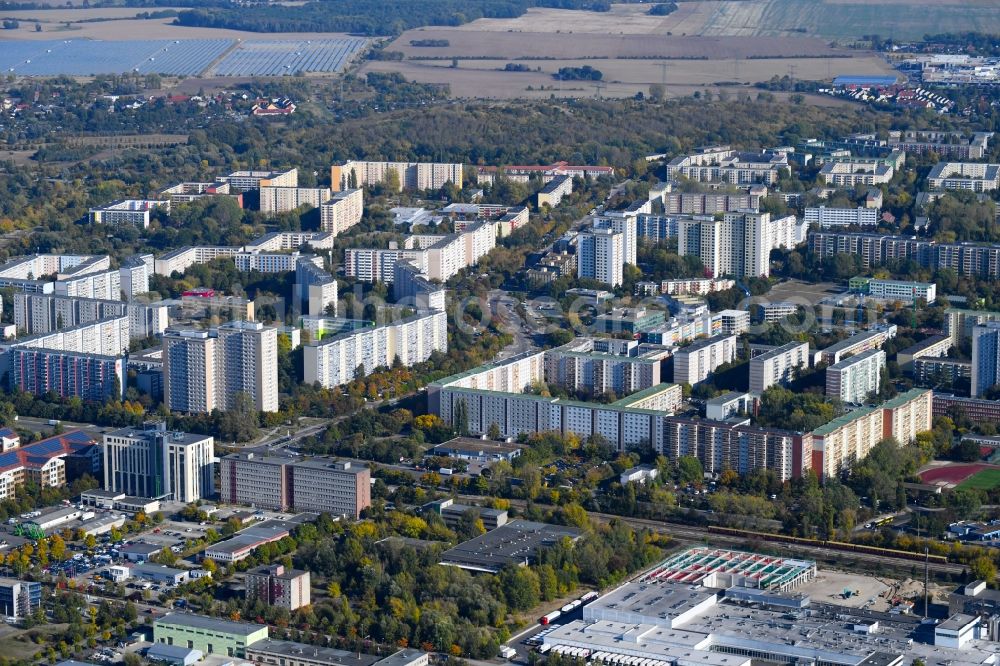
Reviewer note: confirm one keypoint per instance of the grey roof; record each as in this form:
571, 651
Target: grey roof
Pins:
315, 654
209, 623
170, 652
513, 543
402, 658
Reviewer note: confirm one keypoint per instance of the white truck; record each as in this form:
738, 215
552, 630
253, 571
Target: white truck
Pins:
507, 652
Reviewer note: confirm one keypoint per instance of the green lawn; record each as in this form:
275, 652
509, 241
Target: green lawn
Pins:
987, 479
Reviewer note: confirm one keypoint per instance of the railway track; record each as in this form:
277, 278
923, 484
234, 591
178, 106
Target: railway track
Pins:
694, 534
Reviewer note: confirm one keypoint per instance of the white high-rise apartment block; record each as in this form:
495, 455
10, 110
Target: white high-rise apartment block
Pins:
284, 199
134, 275
242, 181
985, 357
154, 462
189, 371
601, 255
106, 285
625, 224
36, 314
204, 370
411, 175
856, 378
334, 361
694, 363
777, 366
248, 355
841, 217
740, 244
342, 211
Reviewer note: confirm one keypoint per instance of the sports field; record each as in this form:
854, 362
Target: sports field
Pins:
987, 479
955, 475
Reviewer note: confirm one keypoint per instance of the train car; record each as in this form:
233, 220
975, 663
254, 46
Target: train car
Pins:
548, 618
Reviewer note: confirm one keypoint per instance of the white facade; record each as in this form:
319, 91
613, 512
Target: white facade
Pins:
626, 225
601, 255
284, 199
134, 275
740, 244
855, 379
777, 366
106, 285
249, 363
841, 217
334, 361
133, 212
972, 176
694, 363
154, 462
985, 357
342, 211
411, 175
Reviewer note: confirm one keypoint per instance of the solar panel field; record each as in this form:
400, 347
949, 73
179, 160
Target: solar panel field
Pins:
278, 57
183, 57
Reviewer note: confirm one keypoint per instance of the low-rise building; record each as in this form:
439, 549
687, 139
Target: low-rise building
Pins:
727, 405
477, 450
270, 652
895, 290
212, 636
452, 514
639, 474
157, 573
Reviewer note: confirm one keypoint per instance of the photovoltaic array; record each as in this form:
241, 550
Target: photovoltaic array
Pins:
183, 57
278, 57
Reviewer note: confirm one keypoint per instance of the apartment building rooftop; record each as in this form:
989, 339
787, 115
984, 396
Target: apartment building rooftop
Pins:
904, 398
843, 420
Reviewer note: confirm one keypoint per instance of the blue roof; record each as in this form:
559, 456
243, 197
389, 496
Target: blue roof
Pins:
857, 80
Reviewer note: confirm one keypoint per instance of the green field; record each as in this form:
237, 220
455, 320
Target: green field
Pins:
987, 479
833, 19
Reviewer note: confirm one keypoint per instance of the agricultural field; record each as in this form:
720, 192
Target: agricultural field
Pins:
986, 479
829, 19
840, 19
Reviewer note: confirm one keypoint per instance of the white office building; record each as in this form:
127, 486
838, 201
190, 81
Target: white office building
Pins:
151, 461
